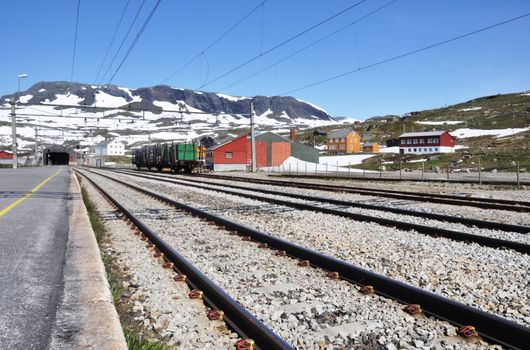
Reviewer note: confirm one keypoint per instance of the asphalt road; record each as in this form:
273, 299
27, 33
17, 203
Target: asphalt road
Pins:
33, 237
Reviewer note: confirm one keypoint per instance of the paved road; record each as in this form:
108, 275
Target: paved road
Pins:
33, 237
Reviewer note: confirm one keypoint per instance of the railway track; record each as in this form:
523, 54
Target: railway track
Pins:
424, 229
490, 326
236, 317
389, 179
484, 203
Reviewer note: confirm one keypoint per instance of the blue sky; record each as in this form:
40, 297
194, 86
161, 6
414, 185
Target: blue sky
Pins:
38, 39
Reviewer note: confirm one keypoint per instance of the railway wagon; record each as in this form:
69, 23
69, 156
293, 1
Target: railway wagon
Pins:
179, 157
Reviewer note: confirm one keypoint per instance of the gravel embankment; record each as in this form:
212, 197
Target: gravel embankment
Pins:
512, 236
493, 280
472, 190
159, 303
462, 211
299, 303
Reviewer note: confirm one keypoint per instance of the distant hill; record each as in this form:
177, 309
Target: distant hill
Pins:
276, 107
203, 114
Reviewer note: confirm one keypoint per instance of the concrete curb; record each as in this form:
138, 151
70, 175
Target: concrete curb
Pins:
86, 316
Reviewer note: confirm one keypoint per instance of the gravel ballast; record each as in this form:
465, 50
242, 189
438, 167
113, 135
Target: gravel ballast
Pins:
299, 303
159, 304
493, 280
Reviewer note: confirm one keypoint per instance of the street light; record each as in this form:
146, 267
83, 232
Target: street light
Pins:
14, 123
21, 76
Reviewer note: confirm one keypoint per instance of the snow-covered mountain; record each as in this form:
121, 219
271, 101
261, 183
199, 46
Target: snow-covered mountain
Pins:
203, 114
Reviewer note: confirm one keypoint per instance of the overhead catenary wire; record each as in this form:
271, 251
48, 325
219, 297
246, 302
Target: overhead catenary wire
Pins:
309, 46
409, 53
122, 42
135, 41
277, 46
112, 40
75, 40
235, 25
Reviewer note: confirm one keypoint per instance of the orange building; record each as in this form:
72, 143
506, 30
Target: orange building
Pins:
371, 147
344, 141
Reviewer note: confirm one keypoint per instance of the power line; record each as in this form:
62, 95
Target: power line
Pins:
75, 40
407, 54
112, 40
284, 42
310, 45
135, 40
123, 41
214, 42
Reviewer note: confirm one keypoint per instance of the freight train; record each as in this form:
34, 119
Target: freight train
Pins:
179, 157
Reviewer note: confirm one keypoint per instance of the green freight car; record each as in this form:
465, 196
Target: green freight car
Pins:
177, 157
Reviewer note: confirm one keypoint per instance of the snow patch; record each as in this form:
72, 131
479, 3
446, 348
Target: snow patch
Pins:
346, 159
233, 98
469, 109
68, 99
466, 132
25, 98
313, 105
42, 90
448, 122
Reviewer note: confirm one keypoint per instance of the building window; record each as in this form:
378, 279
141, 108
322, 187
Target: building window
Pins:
435, 140
410, 150
422, 140
342, 146
403, 141
343, 139
409, 141
415, 141
429, 140
229, 155
415, 150
436, 149
430, 149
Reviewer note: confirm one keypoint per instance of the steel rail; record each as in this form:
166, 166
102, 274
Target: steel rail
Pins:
441, 217
422, 229
491, 327
237, 317
485, 203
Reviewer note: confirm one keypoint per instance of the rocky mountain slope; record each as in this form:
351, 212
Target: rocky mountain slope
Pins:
152, 113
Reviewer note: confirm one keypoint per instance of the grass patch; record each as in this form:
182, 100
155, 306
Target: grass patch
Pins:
135, 341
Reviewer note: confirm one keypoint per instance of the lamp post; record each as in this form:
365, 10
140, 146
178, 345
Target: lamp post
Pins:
21, 76
14, 123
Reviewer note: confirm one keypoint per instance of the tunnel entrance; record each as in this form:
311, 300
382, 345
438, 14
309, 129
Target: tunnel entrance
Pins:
57, 155
57, 158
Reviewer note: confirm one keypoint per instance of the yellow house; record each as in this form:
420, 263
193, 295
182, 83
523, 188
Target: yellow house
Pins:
344, 141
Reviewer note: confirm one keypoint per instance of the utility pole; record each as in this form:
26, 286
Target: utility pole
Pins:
36, 145
252, 140
14, 133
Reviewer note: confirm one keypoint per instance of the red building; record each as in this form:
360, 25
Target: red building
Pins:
236, 154
6, 155
426, 142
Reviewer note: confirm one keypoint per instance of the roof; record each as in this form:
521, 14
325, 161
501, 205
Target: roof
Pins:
370, 144
426, 133
226, 143
339, 133
270, 137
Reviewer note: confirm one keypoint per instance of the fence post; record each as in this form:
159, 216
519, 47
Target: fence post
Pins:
364, 169
381, 168
349, 168
400, 168
337, 168
305, 168
316, 168
422, 170
518, 182
479, 172
289, 168
448, 172
296, 168
326, 168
